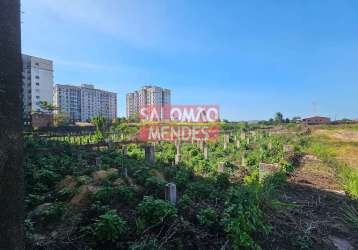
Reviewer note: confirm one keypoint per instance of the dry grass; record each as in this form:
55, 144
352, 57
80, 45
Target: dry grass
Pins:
338, 148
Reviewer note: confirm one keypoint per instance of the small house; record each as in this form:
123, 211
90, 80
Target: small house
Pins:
316, 120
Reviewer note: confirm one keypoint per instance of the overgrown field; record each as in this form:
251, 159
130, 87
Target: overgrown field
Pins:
74, 203
337, 146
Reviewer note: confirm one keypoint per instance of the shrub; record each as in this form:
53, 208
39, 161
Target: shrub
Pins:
207, 216
124, 193
110, 227
104, 195
222, 180
184, 202
153, 211
33, 200
29, 229
181, 178
112, 194
146, 244
243, 216
98, 208
154, 185
54, 212
199, 189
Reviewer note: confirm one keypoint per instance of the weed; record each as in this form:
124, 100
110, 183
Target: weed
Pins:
153, 211
110, 227
350, 215
207, 216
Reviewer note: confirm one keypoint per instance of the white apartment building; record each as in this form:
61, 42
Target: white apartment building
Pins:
82, 103
147, 95
67, 99
37, 83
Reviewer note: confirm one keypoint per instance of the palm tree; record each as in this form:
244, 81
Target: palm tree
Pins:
100, 123
47, 107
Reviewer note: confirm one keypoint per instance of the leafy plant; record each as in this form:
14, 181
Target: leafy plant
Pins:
54, 211
110, 227
148, 243
29, 229
153, 211
112, 194
207, 216
243, 216
154, 185
350, 215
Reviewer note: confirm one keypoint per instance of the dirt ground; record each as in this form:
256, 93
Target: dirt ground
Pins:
344, 142
314, 218
343, 135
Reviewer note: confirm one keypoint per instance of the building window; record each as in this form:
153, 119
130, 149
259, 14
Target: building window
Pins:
37, 77
37, 84
37, 64
37, 97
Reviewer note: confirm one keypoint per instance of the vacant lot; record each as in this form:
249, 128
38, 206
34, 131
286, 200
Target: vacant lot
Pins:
342, 141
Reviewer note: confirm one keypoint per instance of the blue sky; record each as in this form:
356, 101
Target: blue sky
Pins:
253, 58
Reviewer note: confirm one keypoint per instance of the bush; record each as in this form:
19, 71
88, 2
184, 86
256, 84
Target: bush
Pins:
184, 202
54, 212
33, 200
199, 189
153, 211
110, 227
222, 180
182, 177
146, 244
207, 216
29, 229
243, 216
104, 195
113, 194
154, 185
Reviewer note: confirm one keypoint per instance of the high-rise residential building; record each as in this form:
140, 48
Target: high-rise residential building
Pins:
67, 99
96, 102
82, 103
37, 82
147, 95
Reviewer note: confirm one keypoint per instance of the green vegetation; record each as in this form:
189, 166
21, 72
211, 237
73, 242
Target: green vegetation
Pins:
327, 152
72, 197
350, 215
109, 227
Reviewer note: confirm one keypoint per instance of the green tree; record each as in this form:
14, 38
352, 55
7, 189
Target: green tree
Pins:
295, 119
60, 119
47, 107
100, 123
278, 118
134, 118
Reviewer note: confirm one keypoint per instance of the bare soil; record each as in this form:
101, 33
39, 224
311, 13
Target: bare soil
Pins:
315, 219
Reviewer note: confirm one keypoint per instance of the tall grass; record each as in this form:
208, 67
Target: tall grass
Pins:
347, 175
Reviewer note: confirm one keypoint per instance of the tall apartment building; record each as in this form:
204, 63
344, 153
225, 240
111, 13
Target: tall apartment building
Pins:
96, 102
68, 100
82, 103
147, 95
37, 83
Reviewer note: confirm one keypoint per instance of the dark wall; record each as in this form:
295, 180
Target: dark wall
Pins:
11, 166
